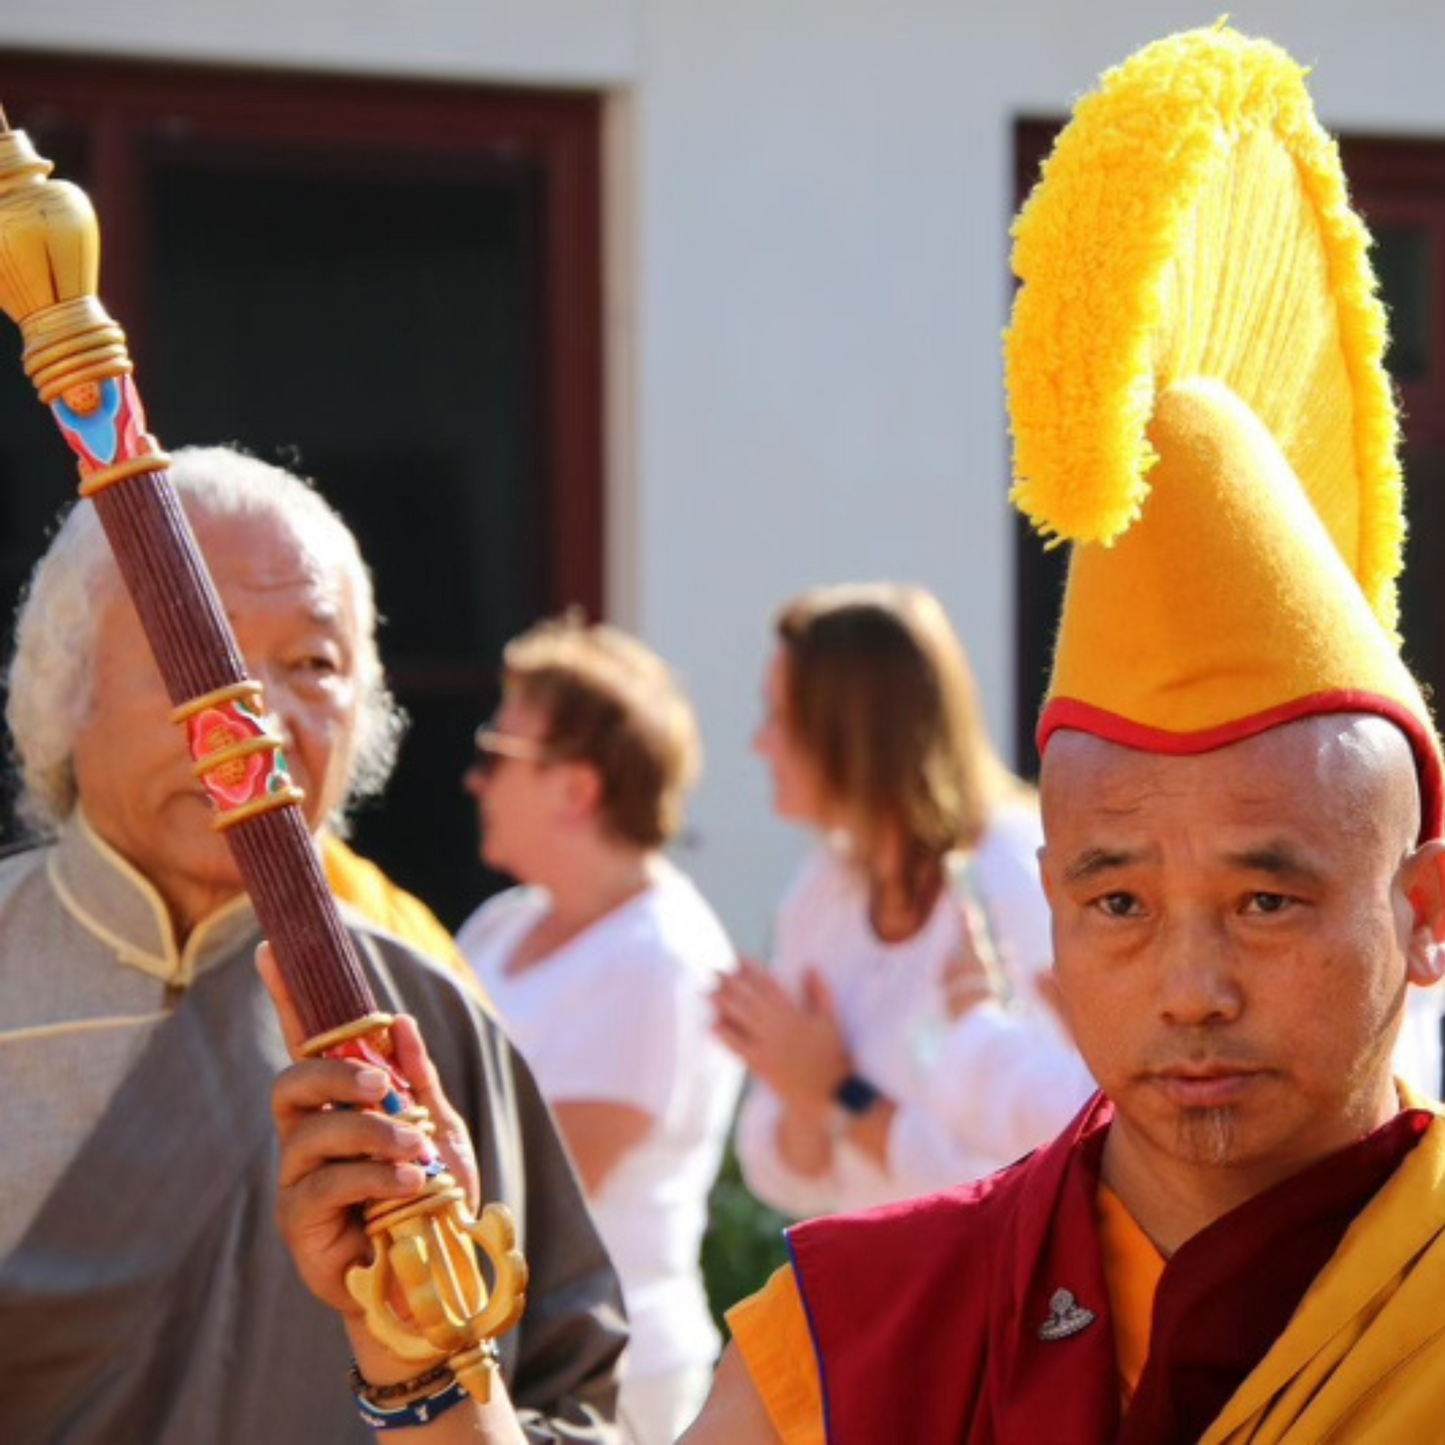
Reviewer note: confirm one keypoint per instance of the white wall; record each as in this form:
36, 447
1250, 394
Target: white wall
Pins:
823, 211
808, 208
553, 42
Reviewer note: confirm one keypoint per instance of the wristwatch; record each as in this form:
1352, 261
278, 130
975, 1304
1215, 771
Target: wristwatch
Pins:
855, 1095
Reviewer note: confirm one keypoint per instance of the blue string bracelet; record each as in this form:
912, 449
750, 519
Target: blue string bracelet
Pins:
418, 1412
421, 1411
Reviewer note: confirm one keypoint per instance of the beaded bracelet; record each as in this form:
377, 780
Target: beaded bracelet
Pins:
380, 1394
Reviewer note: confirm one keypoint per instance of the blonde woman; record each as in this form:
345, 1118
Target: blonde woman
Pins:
889, 1054
602, 963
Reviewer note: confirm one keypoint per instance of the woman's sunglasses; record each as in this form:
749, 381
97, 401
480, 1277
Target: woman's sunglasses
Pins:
493, 747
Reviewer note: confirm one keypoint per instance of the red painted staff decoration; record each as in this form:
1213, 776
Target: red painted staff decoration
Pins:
77, 359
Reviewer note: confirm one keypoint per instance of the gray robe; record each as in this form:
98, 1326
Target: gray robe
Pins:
150, 1298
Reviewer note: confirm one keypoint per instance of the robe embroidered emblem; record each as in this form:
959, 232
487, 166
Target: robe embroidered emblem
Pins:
1066, 1317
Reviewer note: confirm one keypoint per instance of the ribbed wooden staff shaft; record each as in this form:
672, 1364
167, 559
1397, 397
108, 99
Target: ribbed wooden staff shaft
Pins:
197, 654
162, 569
75, 355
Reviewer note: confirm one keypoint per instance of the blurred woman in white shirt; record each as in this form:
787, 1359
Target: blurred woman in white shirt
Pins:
902, 1040
601, 965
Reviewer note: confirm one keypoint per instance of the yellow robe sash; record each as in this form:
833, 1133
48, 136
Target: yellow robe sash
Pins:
1363, 1359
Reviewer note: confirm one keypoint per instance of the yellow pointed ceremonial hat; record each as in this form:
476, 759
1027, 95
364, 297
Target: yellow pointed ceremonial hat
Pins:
1199, 404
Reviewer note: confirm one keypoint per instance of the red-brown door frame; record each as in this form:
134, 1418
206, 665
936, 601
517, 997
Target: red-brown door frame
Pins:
121, 106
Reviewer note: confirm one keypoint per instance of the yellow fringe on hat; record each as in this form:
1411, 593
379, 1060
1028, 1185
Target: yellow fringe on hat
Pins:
1193, 222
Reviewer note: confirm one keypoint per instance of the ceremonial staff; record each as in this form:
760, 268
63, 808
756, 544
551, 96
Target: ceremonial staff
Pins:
76, 357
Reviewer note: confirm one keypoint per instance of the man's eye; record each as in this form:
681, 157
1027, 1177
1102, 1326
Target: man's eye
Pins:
1267, 903
1118, 905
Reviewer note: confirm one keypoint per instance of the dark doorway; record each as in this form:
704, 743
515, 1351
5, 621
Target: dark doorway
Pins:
1039, 574
1399, 188
394, 289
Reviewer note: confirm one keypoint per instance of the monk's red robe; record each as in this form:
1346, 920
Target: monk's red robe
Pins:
982, 1314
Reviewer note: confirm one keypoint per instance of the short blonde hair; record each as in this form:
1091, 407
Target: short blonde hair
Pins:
879, 696
611, 702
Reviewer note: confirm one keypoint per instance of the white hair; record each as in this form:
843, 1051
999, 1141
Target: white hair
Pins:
51, 673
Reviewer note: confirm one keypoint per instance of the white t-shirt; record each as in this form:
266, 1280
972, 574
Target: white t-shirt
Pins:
1005, 868
972, 1095
621, 1014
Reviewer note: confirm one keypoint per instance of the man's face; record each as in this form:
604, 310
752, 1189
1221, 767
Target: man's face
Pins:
294, 617
1233, 933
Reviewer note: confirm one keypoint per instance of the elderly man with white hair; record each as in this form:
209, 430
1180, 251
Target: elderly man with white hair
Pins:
144, 1293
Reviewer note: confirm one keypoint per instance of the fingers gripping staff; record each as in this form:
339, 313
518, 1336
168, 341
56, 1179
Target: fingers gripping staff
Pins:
76, 357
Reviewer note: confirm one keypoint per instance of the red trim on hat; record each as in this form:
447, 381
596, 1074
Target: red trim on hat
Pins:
1069, 713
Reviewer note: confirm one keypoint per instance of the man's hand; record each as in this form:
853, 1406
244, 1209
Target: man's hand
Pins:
795, 1047
338, 1151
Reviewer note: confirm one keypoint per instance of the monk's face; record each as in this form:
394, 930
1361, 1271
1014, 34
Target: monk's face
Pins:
295, 619
1233, 935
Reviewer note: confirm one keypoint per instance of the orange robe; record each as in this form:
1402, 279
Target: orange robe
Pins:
367, 889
